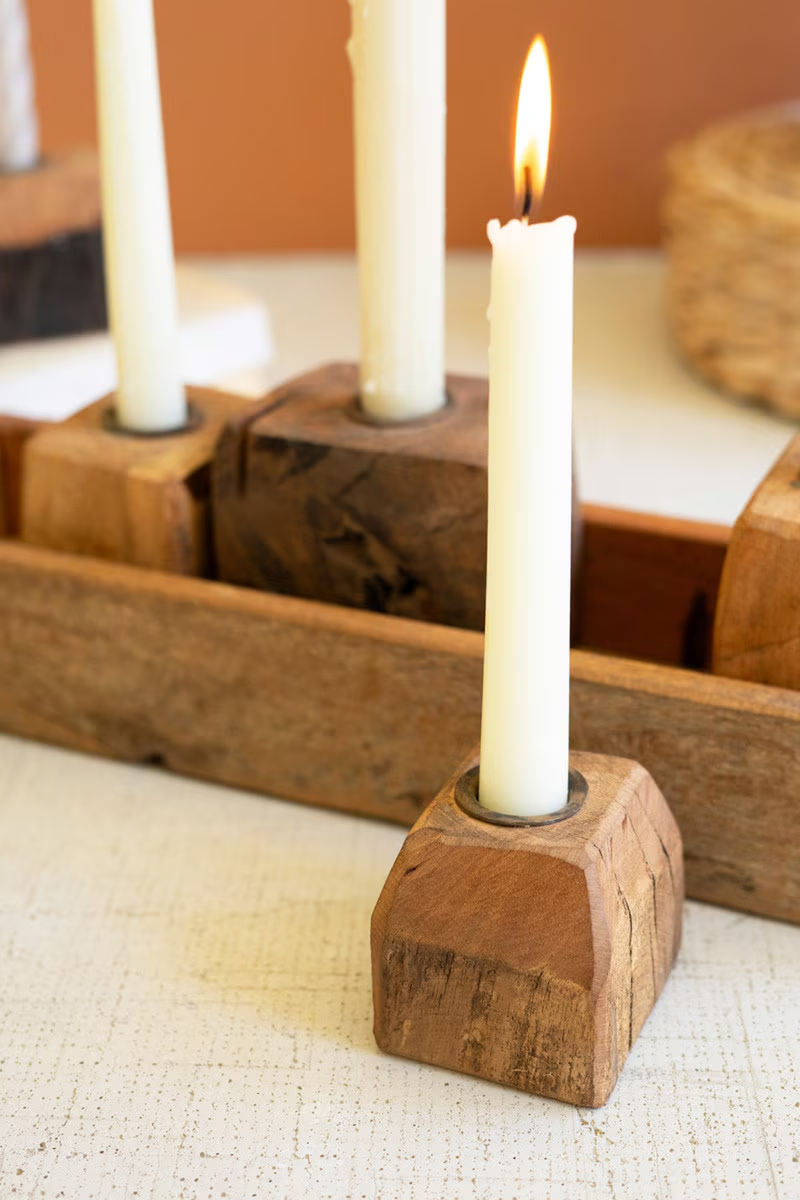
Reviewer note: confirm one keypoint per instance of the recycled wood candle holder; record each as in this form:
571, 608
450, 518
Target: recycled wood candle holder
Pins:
51, 255
531, 952
368, 713
757, 634
312, 499
92, 488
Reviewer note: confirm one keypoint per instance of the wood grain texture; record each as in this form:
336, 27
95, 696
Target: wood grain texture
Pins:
60, 196
724, 753
14, 433
531, 957
368, 713
142, 500
313, 500
54, 288
649, 585
757, 630
325, 705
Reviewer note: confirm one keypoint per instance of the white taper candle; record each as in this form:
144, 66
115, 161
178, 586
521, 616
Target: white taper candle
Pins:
398, 55
525, 726
140, 266
19, 127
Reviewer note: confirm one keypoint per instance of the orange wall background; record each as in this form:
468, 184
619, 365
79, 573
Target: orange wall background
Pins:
257, 106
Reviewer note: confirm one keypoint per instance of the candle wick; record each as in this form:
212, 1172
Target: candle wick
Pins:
527, 203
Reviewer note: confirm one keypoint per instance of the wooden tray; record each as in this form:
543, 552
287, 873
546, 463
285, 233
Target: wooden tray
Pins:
369, 713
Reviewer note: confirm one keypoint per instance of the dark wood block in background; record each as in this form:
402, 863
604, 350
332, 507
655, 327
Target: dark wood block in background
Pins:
52, 279
312, 500
53, 289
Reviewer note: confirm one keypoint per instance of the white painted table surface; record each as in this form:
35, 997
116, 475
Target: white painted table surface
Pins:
185, 1001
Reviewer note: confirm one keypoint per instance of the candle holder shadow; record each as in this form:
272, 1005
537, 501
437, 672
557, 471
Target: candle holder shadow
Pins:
52, 278
313, 499
93, 488
531, 952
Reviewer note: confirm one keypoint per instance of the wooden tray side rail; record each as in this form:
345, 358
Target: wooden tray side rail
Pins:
370, 713
648, 586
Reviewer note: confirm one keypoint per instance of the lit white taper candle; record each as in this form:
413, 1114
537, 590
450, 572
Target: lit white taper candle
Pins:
398, 55
19, 127
137, 232
525, 728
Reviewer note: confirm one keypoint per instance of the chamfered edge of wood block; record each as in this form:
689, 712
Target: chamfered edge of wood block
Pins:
144, 500
531, 957
321, 407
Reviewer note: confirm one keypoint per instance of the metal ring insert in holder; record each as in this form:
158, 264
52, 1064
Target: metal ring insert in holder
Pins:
466, 795
356, 412
194, 419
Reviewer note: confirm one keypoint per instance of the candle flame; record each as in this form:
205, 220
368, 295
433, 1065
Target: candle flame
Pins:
532, 144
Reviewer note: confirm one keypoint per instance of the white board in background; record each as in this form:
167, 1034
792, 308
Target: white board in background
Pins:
226, 336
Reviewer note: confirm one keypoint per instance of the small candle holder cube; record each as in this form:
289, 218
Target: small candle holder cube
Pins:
313, 499
52, 279
530, 952
91, 487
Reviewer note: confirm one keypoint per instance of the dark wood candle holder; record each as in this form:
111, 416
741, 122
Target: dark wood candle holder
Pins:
52, 280
531, 953
90, 487
312, 499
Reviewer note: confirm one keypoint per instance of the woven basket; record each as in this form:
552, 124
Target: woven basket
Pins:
732, 228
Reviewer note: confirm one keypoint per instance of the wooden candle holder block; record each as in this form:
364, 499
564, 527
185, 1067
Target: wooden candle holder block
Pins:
313, 500
531, 954
91, 489
52, 279
757, 632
